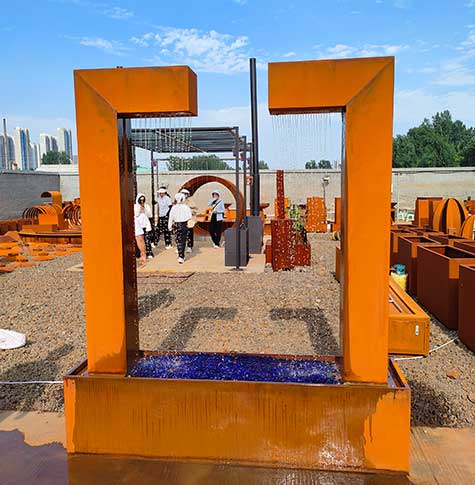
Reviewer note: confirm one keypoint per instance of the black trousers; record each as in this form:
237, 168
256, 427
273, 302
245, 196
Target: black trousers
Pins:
181, 232
148, 237
162, 228
190, 237
215, 229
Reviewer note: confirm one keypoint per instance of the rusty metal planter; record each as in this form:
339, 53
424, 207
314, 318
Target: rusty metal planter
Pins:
407, 255
466, 329
437, 280
465, 245
394, 244
303, 254
447, 239
409, 325
317, 426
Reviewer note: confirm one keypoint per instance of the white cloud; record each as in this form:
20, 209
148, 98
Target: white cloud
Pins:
101, 8
240, 2
289, 54
206, 51
109, 46
366, 50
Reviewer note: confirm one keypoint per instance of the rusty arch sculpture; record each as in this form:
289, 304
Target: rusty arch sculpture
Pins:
449, 216
197, 182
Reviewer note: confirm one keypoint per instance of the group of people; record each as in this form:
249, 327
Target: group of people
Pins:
178, 217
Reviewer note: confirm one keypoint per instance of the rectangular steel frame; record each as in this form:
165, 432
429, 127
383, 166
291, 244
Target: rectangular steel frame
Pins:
362, 90
360, 426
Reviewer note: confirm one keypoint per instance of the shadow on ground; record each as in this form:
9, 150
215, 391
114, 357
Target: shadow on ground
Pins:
184, 328
22, 397
321, 335
149, 303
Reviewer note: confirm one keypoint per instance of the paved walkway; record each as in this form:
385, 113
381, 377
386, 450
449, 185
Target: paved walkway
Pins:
204, 259
32, 451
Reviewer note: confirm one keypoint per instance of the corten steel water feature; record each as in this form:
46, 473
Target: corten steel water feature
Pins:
466, 329
449, 216
424, 211
331, 426
407, 255
362, 89
438, 280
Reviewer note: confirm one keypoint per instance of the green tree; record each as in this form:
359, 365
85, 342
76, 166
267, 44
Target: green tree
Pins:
468, 159
55, 158
324, 164
263, 165
198, 162
312, 164
439, 142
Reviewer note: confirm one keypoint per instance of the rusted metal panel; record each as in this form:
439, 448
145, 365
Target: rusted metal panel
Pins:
316, 215
424, 212
409, 325
466, 327
407, 255
438, 280
303, 254
272, 424
447, 239
449, 216
283, 244
465, 245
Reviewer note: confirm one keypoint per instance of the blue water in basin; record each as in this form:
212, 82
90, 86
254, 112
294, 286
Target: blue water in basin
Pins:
236, 367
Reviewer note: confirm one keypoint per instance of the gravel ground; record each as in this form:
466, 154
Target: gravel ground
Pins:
288, 313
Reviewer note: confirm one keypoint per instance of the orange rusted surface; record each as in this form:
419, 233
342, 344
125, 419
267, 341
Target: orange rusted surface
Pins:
407, 255
363, 90
447, 239
466, 322
56, 197
316, 215
469, 205
409, 325
438, 280
465, 245
335, 225
468, 227
449, 216
394, 244
424, 212
302, 426
105, 98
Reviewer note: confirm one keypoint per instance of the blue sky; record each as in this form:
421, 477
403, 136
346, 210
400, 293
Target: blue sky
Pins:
44, 40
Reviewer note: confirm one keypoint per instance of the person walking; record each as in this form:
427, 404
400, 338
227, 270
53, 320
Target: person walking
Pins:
217, 210
164, 206
142, 215
190, 236
178, 219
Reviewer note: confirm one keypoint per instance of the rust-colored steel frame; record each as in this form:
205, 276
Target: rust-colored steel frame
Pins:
362, 89
106, 99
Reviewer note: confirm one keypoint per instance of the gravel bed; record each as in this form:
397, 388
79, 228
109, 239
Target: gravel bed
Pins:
275, 313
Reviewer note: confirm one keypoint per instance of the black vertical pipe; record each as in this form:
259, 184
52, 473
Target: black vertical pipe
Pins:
255, 139
238, 222
152, 176
244, 176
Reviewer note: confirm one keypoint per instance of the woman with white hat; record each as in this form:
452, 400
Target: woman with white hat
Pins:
164, 205
217, 209
178, 219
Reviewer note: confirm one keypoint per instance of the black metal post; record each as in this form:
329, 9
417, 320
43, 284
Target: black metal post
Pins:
152, 176
244, 176
238, 222
255, 140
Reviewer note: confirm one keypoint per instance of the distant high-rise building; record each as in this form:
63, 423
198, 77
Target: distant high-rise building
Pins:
22, 148
34, 156
65, 142
54, 143
45, 144
11, 152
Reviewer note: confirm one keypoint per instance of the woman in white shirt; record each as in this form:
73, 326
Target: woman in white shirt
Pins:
143, 228
178, 219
